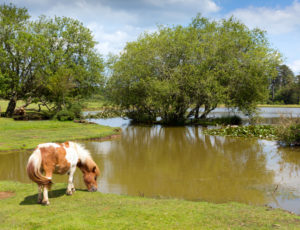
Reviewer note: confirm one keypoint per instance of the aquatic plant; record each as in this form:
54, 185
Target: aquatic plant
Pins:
260, 131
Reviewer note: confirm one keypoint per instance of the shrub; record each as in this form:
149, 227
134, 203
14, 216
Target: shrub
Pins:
64, 115
289, 131
73, 111
76, 109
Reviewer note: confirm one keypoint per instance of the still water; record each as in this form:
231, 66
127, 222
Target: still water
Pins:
182, 162
264, 112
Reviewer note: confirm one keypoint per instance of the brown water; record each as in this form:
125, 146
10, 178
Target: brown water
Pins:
183, 163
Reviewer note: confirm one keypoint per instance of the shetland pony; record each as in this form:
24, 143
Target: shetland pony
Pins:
62, 158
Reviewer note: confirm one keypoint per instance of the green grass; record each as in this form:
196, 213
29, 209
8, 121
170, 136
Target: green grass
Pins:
86, 210
27, 134
89, 105
4, 103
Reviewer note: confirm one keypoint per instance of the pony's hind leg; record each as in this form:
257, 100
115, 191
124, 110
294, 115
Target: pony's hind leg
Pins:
40, 187
71, 187
45, 200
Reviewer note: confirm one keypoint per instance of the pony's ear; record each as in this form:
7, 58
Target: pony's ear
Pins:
94, 169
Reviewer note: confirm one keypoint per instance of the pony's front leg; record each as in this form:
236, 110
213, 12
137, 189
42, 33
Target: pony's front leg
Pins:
40, 187
71, 187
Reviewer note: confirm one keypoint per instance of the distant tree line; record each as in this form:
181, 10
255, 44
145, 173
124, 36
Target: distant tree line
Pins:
285, 87
48, 61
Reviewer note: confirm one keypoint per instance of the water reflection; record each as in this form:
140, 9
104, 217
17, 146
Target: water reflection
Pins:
181, 162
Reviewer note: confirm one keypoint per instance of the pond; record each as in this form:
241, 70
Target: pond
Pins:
183, 163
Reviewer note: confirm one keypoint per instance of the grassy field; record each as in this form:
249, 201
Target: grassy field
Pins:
4, 103
89, 105
86, 210
27, 134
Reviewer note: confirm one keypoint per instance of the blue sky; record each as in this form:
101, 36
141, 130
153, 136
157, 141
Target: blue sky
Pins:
115, 22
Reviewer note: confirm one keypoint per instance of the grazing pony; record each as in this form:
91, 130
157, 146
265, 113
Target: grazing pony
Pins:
62, 158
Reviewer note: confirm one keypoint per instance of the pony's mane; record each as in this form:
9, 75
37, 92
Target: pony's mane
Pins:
85, 157
83, 154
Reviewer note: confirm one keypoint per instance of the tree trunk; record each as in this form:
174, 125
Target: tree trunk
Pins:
273, 93
207, 110
11, 106
197, 112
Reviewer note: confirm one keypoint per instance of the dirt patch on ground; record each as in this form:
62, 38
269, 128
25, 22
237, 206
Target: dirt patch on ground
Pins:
4, 195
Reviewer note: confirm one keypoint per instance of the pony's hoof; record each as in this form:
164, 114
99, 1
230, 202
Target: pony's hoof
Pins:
46, 203
69, 193
73, 190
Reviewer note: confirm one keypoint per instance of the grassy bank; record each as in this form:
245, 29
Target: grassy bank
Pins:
89, 105
27, 134
86, 210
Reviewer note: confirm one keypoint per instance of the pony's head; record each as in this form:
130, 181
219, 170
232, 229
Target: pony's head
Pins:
90, 173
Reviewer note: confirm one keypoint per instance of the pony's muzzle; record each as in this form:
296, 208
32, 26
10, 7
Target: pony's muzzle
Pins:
93, 189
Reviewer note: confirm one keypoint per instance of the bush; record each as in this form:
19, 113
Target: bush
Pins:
64, 115
76, 109
289, 131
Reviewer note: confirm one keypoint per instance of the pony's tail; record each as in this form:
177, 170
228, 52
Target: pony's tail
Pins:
33, 169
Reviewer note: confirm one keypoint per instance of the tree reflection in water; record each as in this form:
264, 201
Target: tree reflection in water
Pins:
182, 162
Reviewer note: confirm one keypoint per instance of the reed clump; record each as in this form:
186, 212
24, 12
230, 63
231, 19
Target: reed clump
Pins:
288, 131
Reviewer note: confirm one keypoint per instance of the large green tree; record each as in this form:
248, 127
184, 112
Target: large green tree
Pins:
16, 54
72, 67
165, 73
52, 61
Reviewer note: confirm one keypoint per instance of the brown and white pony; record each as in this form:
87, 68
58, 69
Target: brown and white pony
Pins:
62, 158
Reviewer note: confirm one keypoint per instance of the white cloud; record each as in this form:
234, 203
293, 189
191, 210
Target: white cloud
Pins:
113, 42
274, 20
295, 66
